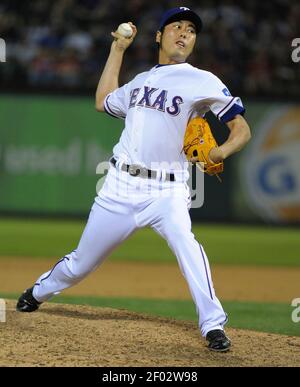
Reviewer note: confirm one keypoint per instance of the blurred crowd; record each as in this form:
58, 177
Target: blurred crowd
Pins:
63, 44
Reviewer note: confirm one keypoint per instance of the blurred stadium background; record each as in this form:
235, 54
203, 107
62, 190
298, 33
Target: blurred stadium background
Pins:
52, 138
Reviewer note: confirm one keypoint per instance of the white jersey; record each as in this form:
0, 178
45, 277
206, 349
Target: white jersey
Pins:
157, 106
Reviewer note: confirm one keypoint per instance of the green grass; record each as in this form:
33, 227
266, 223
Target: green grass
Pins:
261, 317
225, 244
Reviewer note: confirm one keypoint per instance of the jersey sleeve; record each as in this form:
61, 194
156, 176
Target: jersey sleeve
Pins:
219, 100
115, 103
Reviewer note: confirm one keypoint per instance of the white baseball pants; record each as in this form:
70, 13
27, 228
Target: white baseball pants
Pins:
125, 204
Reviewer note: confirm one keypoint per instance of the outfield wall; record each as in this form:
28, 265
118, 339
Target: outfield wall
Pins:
50, 147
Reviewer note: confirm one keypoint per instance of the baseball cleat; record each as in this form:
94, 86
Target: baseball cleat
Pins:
27, 303
218, 341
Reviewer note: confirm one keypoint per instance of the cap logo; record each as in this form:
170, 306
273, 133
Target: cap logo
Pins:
184, 8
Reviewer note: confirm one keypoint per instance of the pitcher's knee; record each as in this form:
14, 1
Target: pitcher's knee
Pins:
177, 224
178, 243
175, 230
77, 269
75, 272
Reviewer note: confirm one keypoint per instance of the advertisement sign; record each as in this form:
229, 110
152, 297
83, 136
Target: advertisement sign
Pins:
270, 169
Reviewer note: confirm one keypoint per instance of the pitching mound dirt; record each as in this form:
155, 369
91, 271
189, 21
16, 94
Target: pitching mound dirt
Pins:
68, 335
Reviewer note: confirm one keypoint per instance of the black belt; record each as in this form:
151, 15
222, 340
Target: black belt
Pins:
137, 170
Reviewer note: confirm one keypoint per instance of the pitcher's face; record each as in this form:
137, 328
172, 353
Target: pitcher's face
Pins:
177, 40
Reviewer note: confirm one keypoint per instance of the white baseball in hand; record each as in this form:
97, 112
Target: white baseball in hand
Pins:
125, 30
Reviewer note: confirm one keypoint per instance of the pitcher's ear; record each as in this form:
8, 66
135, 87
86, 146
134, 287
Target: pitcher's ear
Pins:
158, 37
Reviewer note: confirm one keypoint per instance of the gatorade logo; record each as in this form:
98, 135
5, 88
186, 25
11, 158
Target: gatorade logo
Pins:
272, 167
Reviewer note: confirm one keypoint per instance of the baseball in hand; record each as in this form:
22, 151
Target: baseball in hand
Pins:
125, 30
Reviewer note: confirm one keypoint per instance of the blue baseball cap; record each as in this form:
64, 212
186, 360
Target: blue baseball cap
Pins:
180, 13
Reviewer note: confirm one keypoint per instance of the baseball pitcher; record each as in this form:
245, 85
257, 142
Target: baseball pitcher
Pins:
146, 184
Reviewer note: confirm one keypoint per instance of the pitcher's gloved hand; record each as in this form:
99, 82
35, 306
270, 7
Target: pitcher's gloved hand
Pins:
198, 143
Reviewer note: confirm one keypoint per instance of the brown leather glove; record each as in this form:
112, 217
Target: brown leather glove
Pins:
198, 142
